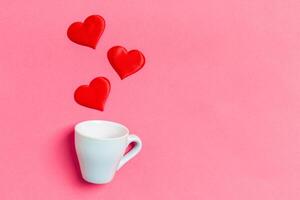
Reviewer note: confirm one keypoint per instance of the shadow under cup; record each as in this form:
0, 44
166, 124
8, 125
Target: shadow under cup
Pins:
100, 147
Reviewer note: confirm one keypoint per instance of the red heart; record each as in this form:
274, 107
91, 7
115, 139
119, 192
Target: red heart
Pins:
87, 33
93, 95
125, 63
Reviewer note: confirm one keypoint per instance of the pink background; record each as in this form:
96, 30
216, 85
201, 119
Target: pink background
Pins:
217, 104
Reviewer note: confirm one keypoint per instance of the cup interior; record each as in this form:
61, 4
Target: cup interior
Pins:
100, 129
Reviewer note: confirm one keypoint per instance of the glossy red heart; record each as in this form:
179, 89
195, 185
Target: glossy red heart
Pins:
87, 33
93, 95
125, 63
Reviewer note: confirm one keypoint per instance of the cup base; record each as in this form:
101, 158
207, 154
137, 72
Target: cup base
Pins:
96, 182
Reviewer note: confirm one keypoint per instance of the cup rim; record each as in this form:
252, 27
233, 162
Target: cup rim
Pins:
78, 132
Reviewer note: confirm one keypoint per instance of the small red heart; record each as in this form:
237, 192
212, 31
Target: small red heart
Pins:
87, 33
93, 95
125, 63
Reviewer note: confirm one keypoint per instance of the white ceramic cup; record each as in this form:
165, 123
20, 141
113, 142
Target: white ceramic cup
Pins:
100, 147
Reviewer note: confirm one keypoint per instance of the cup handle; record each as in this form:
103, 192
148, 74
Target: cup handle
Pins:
133, 152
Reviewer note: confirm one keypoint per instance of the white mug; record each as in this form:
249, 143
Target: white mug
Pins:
100, 147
